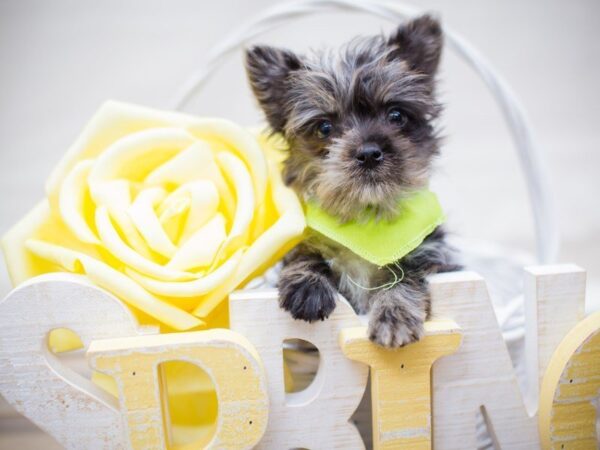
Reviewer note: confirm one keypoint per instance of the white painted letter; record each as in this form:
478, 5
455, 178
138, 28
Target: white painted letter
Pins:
316, 418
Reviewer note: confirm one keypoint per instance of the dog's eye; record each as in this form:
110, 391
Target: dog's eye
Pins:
324, 129
396, 116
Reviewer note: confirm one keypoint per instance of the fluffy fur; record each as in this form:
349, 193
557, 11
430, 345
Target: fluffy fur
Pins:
360, 124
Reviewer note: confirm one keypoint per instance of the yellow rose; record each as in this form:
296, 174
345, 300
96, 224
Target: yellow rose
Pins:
168, 212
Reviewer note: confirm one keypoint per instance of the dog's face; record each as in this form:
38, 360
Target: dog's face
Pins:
359, 123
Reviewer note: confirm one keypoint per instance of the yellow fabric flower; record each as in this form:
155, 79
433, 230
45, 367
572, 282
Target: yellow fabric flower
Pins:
168, 212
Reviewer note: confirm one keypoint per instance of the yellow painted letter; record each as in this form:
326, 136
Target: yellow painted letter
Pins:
400, 382
229, 359
567, 416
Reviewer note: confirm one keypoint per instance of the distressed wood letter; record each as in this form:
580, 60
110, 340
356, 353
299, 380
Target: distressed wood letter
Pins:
228, 358
401, 382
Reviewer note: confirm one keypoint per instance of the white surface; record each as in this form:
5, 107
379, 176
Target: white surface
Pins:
324, 408
66, 405
547, 290
480, 374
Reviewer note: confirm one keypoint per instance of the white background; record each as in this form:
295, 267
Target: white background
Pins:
60, 59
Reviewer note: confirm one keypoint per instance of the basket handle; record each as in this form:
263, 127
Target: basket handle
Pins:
532, 164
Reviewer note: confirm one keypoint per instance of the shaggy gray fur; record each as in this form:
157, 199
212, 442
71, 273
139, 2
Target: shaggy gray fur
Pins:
361, 128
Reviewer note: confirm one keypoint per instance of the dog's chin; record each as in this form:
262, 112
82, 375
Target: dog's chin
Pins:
361, 198
372, 181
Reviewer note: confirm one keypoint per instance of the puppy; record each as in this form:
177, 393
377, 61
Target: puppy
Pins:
360, 124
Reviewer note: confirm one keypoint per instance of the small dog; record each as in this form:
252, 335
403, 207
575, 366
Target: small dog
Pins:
360, 125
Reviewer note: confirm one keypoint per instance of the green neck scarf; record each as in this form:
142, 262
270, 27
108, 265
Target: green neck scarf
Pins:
382, 242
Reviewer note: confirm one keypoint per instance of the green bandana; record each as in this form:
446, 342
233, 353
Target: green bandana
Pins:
382, 242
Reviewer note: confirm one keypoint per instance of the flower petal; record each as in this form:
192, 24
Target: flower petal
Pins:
203, 201
267, 247
116, 196
134, 156
147, 223
115, 245
115, 282
72, 199
112, 121
230, 137
194, 163
237, 174
258, 256
200, 249
193, 288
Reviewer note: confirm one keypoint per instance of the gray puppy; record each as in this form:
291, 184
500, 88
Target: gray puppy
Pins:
360, 125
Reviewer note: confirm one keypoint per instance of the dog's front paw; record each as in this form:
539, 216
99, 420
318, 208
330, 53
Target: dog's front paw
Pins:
306, 295
392, 326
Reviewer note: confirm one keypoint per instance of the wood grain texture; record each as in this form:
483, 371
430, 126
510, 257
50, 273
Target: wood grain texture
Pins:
571, 385
479, 375
77, 413
554, 304
317, 417
401, 383
227, 357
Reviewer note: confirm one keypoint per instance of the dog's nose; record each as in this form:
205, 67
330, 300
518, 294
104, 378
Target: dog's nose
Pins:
369, 155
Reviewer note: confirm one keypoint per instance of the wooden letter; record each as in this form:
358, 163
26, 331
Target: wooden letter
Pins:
77, 413
567, 415
228, 358
317, 417
554, 304
401, 383
479, 376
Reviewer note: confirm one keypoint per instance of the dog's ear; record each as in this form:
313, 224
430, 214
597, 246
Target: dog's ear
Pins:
268, 70
419, 42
